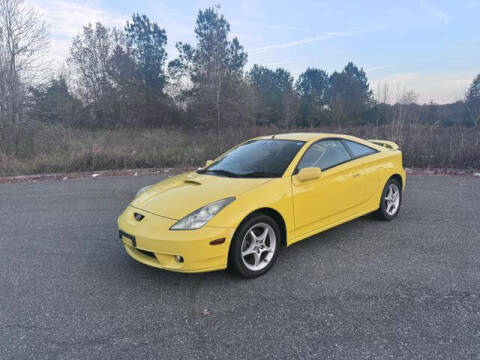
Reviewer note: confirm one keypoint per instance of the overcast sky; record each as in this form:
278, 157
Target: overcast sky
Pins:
431, 47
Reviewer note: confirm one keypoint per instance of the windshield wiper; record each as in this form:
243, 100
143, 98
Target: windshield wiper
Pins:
219, 172
261, 174
253, 174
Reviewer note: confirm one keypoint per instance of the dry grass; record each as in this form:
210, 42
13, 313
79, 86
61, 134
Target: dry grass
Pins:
49, 149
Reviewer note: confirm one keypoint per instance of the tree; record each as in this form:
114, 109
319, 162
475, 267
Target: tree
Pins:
213, 69
404, 112
349, 94
93, 56
23, 36
312, 86
120, 75
472, 101
53, 103
275, 90
147, 41
90, 56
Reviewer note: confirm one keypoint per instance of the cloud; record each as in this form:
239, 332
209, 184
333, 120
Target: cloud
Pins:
278, 63
440, 15
267, 26
380, 67
442, 87
399, 78
324, 36
67, 18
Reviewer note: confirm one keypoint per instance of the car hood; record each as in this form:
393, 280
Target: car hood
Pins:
178, 196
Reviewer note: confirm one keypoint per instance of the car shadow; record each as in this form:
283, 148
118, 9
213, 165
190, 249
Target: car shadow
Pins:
316, 244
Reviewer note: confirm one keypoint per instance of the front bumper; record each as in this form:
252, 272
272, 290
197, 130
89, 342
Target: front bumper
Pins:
156, 245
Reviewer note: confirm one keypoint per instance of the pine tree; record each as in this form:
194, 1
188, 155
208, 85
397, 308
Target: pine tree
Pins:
312, 86
472, 101
213, 68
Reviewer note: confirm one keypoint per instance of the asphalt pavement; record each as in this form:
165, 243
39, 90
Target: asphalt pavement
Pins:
407, 289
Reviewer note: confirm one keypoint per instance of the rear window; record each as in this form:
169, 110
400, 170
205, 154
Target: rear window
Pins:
359, 150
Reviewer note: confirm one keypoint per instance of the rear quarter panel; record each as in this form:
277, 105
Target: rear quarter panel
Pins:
392, 164
377, 169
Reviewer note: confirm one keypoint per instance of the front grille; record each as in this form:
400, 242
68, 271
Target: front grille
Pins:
148, 253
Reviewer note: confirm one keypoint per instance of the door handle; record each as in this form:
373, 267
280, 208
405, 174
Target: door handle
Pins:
356, 175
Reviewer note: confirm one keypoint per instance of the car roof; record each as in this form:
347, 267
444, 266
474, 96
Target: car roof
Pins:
302, 136
318, 136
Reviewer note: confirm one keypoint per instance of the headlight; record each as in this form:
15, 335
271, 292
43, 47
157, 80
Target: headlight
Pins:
142, 190
200, 217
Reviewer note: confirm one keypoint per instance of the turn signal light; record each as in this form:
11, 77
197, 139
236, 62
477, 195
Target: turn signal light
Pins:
217, 242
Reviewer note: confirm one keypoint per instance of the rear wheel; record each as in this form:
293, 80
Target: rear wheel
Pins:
255, 246
391, 200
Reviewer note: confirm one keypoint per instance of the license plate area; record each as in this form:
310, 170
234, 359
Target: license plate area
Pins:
123, 234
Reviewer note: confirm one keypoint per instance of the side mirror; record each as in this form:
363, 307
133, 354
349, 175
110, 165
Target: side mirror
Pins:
309, 173
208, 163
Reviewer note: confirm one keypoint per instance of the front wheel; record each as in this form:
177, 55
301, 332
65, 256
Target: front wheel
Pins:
391, 200
255, 246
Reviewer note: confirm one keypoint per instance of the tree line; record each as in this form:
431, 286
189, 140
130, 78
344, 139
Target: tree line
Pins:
121, 77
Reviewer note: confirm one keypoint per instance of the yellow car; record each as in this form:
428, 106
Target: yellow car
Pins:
265, 193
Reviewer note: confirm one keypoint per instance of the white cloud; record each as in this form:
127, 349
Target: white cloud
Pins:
67, 18
278, 63
325, 36
379, 67
267, 26
442, 88
440, 15
401, 77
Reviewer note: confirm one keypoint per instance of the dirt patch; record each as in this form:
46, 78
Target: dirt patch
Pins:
174, 171
92, 174
450, 172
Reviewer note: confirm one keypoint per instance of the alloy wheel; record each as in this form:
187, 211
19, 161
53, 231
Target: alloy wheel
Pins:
258, 246
392, 199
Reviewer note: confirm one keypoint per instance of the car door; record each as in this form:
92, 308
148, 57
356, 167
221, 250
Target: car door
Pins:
368, 167
323, 201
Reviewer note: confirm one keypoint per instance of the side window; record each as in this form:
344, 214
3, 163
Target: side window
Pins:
359, 150
324, 154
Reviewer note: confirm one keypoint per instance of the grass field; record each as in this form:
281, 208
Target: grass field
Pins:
40, 149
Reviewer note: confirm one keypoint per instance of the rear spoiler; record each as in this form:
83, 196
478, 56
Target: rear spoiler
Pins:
386, 144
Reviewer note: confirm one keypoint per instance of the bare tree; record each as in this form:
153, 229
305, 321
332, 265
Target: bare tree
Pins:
23, 36
3, 77
404, 113
90, 56
383, 93
102, 66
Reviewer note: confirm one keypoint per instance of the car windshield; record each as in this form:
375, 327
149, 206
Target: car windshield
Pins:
257, 158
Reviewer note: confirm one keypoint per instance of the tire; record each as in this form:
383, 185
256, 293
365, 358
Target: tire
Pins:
391, 200
252, 256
